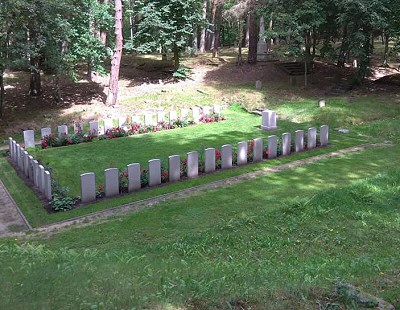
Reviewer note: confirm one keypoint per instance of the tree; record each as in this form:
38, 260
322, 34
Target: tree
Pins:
116, 58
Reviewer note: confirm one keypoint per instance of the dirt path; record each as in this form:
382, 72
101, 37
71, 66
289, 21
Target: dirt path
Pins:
103, 215
11, 218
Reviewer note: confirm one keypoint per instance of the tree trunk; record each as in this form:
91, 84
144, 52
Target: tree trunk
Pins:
2, 93
343, 48
35, 86
217, 31
213, 23
202, 48
103, 34
117, 55
176, 57
247, 37
270, 27
240, 35
253, 38
386, 52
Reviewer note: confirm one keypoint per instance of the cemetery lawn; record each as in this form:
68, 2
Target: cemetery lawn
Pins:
275, 242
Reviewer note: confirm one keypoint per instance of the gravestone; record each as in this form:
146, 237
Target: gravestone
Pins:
35, 168
29, 138
268, 120
94, 128
19, 158
174, 168
242, 153
217, 109
209, 160
299, 141
192, 164
160, 116
324, 135
184, 113
321, 103
258, 84
14, 152
272, 147
22, 160
88, 187
262, 47
206, 110
154, 172
311, 138
111, 176
26, 163
257, 150
108, 124
78, 127
196, 114
173, 116
30, 167
226, 156
121, 121
10, 147
62, 130
41, 179
136, 119
45, 132
286, 143
47, 185
134, 183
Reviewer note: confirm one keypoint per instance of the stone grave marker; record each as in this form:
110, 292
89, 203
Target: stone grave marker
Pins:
45, 132
26, 163
286, 143
299, 141
268, 120
47, 185
324, 135
217, 109
226, 156
62, 130
136, 119
148, 119
209, 160
192, 164
206, 110
29, 138
173, 116
321, 103
184, 113
121, 121
134, 183
88, 187
154, 172
112, 182
10, 147
30, 167
78, 127
160, 116
35, 172
94, 128
108, 124
242, 153
257, 150
258, 84
311, 138
196, 114
174, 168
41, 178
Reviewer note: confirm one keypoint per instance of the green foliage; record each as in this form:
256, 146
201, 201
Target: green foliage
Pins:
182, 73
62, 203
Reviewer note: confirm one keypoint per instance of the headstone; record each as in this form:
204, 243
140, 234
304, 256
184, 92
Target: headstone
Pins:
15, 155
22, 160
311, 138
78, 127
286, 143
47, 185
206, 110
108, 124
41, 179
209, 160
324, 135
26, 163
148, 119
136, 119
94, 128
299, 141
173, 116
154, 172
184, 113
262, 47
19, 158
321, 103
217, 109
134, 183
88, 187
10, 147
121, 121
258, 150
29, 138
258, 84
226, 156
355, 65
30, 167
62, 130
35, 168
268, 120
45, 132
192, 164
196, 114
174, 168
101, 130
111, 176
242, 153
160, 116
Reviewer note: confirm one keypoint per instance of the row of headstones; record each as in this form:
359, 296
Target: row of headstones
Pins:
31, 168
88, 180
149, 119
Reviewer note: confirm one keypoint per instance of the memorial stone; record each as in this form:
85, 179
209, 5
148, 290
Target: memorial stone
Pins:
173, 116
134, 183
286, 143
78, 127
45, 132
154, 172
94, 128
29, 138
192, 164
257, 150
160, 116
108, 124
111, 176
196, 114
88, 187
41, 179
209, 160
30, 167
226, 156
268, 120
35, 169
324, 135
174, 168
136, 119
184, 113
311, 138
62, 130
299, 141
242, 153
47, 185
26, 163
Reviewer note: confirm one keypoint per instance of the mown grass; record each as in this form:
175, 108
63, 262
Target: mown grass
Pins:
275, 242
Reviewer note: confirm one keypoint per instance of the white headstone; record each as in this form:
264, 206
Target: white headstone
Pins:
62, 130
14, 152
88, 187
134, 183
108, 124
226, 156
196, 114
206, 110
258, 84
173, 116
311, 138
192, 164
160, 116
30, 167
29, 138
47, 185
78, 127
174, 168
111, 176
121, 121
321, 103
41, 179
299, 141
45, 132
242, 153
154, 172
258, 150
209, 160
10, 147
148, 119
136, 119
26, 163
286, 143
94, 128
36, 172
324, 135
268, 120
184, 113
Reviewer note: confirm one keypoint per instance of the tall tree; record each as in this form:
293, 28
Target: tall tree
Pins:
116, 58
202, 47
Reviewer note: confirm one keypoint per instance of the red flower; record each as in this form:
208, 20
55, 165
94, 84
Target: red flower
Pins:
217, 154
100, 188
